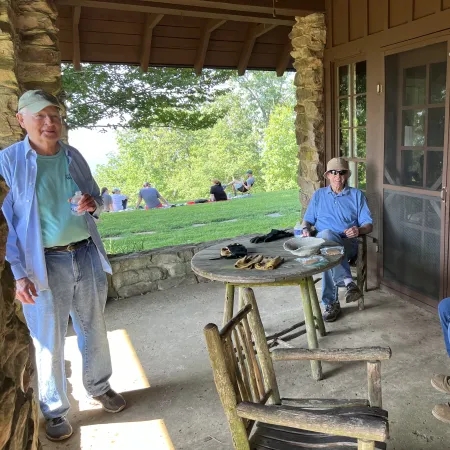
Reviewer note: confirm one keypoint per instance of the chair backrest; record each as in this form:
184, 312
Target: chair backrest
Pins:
242, 365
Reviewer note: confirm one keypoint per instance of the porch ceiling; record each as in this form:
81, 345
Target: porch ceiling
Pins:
238, 34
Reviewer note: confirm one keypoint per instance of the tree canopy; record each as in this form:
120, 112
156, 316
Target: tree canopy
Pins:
123, 96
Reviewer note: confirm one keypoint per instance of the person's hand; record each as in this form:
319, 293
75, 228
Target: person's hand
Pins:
352, 232
306, 232
25, 291
87, 203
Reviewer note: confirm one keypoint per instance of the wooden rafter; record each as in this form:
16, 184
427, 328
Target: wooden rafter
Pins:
210, 26
175, 12
284, 59
308, 6
76, 58
253, 33
150, 23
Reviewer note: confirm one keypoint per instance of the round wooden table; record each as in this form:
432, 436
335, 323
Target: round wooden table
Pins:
290, 273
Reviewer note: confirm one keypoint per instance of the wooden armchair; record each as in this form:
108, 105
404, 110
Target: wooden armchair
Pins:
245, 380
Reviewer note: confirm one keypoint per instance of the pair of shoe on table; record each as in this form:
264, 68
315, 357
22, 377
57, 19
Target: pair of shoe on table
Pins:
332, 312
59, 428
259, 262
442, 384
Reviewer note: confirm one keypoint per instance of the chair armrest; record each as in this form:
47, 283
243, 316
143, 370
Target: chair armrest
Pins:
359, 426
332, 354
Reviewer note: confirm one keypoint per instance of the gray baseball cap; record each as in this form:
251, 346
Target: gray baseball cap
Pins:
36, 100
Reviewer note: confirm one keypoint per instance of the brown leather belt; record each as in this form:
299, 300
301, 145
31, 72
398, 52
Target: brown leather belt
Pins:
68, 248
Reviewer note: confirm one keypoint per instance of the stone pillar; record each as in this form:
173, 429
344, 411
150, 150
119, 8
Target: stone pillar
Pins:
308, 38
29, 59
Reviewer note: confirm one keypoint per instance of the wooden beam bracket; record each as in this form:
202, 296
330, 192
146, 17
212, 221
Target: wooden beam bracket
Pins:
150, 23
210, 26
76, 57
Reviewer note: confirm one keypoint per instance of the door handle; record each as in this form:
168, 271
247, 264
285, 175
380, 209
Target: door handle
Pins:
443, 193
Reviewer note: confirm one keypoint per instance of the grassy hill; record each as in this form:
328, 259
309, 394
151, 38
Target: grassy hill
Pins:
198, 223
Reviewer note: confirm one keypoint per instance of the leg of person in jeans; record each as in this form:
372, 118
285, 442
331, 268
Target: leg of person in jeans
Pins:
338, 276
441, 382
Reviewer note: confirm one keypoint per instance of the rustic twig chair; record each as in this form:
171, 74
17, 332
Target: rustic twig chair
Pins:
245, 380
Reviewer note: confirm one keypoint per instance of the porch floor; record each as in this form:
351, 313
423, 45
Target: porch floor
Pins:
161, 363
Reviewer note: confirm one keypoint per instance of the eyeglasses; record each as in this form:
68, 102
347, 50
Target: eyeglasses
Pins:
41, 117
338, 172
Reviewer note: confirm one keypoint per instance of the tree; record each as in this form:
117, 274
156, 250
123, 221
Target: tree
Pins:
279, 158
123, 96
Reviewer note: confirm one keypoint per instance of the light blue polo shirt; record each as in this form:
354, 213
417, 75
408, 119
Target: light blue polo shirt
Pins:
337, 212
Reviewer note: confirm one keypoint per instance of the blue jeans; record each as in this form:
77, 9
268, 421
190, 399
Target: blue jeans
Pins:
333, 278
78, 287
444, 317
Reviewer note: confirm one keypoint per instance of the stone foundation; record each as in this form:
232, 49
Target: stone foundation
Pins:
308, 38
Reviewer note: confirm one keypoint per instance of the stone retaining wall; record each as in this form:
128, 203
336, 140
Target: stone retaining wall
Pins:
154, 270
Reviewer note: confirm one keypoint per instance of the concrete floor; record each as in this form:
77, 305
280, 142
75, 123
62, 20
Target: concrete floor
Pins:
160, 362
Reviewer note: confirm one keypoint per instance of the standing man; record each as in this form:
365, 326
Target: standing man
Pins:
57, 258
151, 197
339, 213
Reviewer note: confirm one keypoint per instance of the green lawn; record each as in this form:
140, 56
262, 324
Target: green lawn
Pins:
174, 226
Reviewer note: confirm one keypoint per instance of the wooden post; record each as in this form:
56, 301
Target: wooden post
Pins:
316, 307
265, 359
374, 383
229, 303
241, 299
316, 366
366, 445
225, 387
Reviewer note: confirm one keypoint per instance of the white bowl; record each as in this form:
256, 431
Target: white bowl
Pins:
305, 246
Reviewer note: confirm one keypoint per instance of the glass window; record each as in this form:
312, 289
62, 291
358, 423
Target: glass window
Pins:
352, 119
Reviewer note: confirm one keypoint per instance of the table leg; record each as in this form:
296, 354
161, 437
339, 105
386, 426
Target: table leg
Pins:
316, 307
316, 366
241, 298
229, 303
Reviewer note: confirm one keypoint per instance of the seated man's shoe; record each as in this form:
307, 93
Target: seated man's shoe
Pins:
58, 429
441, 383
353, 293
442, 412
111, 401
332, 312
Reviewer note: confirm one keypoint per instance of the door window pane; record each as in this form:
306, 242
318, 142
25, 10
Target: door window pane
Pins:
344, 80
359, 142
414, 80
435, 161
360, 111
360, 77
412, 167
344, 112
436, 127
344, 143
438, 77
362, 183
414, 128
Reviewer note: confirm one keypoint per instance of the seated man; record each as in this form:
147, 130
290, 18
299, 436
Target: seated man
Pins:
441, 382
217, 194
339, 213
243, 186
151, 197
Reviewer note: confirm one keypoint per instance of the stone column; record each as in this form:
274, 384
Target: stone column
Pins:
308, 38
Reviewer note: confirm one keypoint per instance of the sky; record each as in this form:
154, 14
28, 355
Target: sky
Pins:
93, 145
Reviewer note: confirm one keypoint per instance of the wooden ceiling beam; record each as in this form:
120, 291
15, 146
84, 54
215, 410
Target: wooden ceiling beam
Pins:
174, 12
285, 57
210, 26
150, 23
308, 6
254, 32
76, 57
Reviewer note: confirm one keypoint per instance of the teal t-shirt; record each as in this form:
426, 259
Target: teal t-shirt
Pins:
54, 186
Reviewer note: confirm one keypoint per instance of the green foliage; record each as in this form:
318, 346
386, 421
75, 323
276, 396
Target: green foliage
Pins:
123, 96
174, 226
279, 157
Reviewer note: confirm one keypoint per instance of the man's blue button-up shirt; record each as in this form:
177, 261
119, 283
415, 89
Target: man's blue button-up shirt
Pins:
24, 247
337, 212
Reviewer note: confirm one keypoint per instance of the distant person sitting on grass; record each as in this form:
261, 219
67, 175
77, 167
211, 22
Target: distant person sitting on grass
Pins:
151, 197
217, 192
107, 200
241, 185
118, 200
